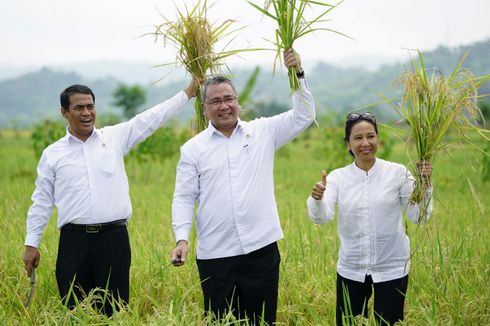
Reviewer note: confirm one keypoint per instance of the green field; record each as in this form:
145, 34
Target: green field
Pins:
450, 266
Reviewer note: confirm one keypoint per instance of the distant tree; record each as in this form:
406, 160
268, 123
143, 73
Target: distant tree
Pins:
269, 109
245, 95
108, 119
129, 98
45, 133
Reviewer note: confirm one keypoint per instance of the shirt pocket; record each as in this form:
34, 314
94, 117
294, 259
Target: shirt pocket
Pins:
108, 161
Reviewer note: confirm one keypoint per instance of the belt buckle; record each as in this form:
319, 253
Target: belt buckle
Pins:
92, 228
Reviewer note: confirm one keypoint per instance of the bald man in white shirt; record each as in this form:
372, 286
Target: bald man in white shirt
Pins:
228, 170
83, 175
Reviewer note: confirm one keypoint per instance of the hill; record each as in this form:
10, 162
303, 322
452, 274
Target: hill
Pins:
35, 95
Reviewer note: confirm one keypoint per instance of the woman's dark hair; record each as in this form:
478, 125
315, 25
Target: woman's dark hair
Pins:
353, 119
74, 89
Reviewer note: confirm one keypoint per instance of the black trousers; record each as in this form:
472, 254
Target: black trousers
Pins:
247, 285
353, 297
94, 260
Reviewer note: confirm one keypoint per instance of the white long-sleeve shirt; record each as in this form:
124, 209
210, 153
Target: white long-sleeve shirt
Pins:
87, 181
232, 181
370, 222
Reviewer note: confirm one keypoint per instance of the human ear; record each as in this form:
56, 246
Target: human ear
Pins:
63, 112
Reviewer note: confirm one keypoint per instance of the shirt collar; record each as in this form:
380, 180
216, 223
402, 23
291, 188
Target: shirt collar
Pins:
372, 171
211, 130
69, 136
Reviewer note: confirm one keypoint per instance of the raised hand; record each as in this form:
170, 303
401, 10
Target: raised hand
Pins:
192, 88
319, 187
292, 59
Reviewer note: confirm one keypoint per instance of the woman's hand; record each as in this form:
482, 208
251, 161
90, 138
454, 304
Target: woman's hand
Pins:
424, 170
319, 187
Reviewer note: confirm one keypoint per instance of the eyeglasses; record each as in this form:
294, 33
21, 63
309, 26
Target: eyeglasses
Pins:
361, 116
228, 100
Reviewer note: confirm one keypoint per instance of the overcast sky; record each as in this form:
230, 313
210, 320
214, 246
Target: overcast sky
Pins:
46, 32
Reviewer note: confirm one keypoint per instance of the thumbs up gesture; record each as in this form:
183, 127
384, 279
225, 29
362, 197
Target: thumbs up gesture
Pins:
319, 187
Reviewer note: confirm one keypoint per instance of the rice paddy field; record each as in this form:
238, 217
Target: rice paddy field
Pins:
450, 268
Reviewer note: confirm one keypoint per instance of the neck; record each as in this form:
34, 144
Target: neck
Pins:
82, 137
227, 131
365, 165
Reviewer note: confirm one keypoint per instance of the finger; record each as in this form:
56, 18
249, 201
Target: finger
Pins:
324, 177
317, 196
175, 258
318, 193
175, 254
320, 187
183, 256
36, 261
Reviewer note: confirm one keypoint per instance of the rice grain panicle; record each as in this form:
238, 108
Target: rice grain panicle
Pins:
433, 105
290, 16
195, 38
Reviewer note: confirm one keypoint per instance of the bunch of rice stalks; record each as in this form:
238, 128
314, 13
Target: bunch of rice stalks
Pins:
292, 24
432, 105
195, 38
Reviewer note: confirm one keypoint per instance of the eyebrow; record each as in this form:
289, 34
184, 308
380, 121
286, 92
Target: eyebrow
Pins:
368, 134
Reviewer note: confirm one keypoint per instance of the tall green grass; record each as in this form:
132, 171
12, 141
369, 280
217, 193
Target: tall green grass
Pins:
450, 258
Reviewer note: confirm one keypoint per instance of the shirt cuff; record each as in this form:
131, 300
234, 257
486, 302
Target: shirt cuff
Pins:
181, 235
33, 240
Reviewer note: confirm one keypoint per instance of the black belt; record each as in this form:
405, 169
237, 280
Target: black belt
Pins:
94, 228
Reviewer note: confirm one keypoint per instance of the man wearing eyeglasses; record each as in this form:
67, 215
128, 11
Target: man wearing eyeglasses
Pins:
228, 170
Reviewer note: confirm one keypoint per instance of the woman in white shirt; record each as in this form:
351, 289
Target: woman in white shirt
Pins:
370, 194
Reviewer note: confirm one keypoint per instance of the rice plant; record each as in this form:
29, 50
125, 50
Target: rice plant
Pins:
433, 105
290, 16
195, 38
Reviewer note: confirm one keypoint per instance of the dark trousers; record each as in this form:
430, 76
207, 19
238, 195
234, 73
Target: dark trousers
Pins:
94, 260
246, 285
353, 297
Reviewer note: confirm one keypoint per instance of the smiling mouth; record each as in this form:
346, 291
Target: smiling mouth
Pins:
86, 121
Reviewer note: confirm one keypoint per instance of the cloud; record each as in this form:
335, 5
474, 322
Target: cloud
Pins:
48, 32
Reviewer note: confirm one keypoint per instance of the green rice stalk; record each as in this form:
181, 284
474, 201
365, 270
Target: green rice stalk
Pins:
195, 37
290, 16
433, 105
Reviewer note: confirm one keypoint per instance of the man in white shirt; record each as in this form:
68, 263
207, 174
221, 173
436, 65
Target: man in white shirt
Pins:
228, 170
83, 175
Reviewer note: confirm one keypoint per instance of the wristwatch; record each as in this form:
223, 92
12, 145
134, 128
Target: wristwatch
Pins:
300, 74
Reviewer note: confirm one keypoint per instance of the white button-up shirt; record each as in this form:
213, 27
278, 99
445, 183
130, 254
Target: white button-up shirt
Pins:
370, 222
232, 181
87, 181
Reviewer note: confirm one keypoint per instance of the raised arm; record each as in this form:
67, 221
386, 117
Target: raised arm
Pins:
289, 124
136, 130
